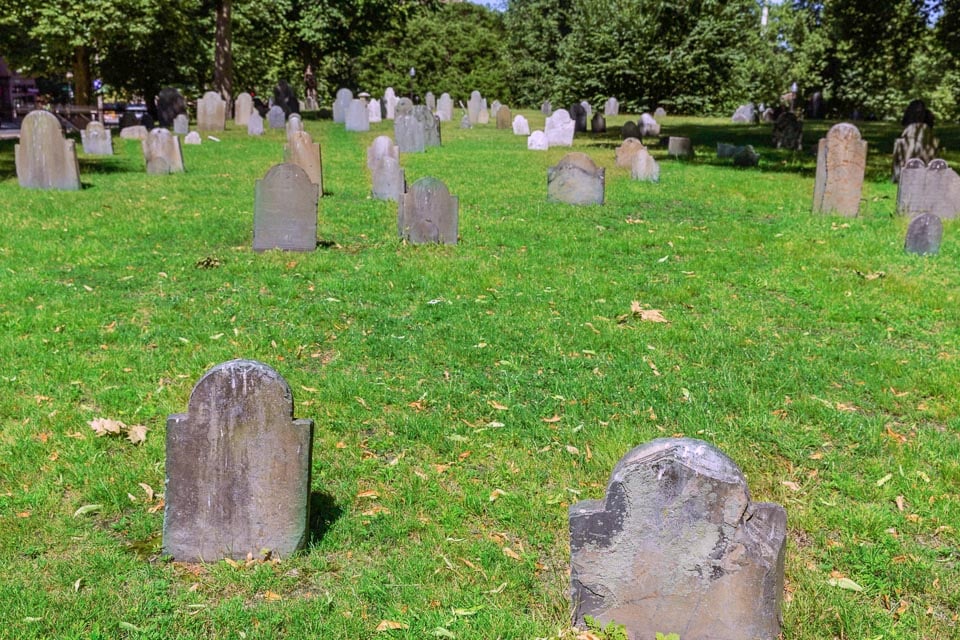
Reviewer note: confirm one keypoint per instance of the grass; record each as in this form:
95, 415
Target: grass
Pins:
812, 350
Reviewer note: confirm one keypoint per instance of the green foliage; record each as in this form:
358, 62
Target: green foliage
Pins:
612, 631
668, 636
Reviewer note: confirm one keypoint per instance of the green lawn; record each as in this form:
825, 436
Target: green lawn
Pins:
812, 350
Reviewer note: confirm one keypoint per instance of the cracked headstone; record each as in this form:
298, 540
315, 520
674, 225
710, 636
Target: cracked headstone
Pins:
427, 213
841, 161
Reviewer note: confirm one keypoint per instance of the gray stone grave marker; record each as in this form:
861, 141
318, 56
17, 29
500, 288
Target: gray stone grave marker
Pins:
924, 235
680, 147
44, 159
841, 161
161, 151
579, 116
934, 188
659, 113
276, 118
745, 113
340, 105
546, 108
242, 108
409, 134
916, 141
430, 100
537, 141
788, 132
211, 112
255, 124
302, 151
429, 123
746, 156
427, 213
611, 107
387, 179
374, 111
381, 147
473, 107
598, 124
630, 130
294, 124
135, 132
648, 125
404, 107
445, 108
181, 124
644, 168
390, 103
484, 116
97, 139
285, 210
520, 126
192, 138
559, 128
625, 152
576, 179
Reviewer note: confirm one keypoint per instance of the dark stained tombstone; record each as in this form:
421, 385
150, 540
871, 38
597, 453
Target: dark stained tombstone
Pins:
917, 112
680, 147
677, 546
427, 213
170, 104
546, 108
161, 152
746, 156
181, 124
933, 189
579, 116
430, 100
924, 235
625, 152
429, 123
474, 105
576, 179
537, 141
381, 147
630, 130
96, 139
916, 141
286, 98
211, 112
745, 113
841, 161
445, 108
387, 179
44, 159
611, 107
649, 127
504, 118
242, 108
255, 124
237, 468
788, 132
341, 104
285, 210
520, 126
302, 151
276, 118
559, 128
598, 124
644, 168
659, 113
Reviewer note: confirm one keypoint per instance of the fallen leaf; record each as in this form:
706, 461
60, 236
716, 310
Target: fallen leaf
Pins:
510, 553
844, 583
440, 632
104, 426
503, 585
130, 627
440, 468
553, 420
369, 493
496, 405
137, 434
793, 486
271, 596
882, 481
647, 315
572, 450
842, 406
901, 504
87, 508
471, 611
496, 493
390, 625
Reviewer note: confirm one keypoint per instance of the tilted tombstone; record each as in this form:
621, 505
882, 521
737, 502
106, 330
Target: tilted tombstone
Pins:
630, 130
473, 107
611, 107
841, 161
679, 147
538, 141
559, 129
934, 189
659, 113
242, 108
181, 124
677, 546
546, 108
429, 123
381, 147
427, 213
916, 112
625, 152
374, 111
276, 119
520, 126
409, 134
285, 210
161, 151
44, 159
649, 127
504, 118
390, 103
430, 100
302, 151
745, 113
924, 235
170, 104
579, 116
286, 98
484, 116
445, 108
96, 139
644, 167
598, 124
576, 179
192, 138
916, 141
340, 105
387, 179
137, 132
294, 124
211, 112
237, 468
255, 124
788, 132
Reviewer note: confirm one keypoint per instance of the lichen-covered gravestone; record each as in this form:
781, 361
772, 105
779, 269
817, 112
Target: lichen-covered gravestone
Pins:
576, 179
381, 147
44, 159
934, 188
97, 140
427, 213
676, 546
211, 112
238, 468
625, 152
924, 235
374, 111
162, 153
408, 131
841, 161
302, 151
285, 210
429, 123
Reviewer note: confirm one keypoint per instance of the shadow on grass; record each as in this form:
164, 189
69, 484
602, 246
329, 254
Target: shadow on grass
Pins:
324, 511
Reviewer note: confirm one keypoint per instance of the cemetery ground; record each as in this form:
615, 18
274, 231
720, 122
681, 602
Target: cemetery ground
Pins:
464, 396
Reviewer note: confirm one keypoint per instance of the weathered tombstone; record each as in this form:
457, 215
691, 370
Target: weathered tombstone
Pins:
726, 150
181, 124
404, 107
917, 112
445, 108
161, 151
285, 210
746, 156
579, 116
276, 119
137, 132
465, 122
659, 113
242, 108
625, 152
586, 107
788, 132
630, 130
495, 109
559, 129
237, 468
677, 546
96, 139
429, 123
611, 107
302, 151
538, 141
255, 124
916, 141
387, 179
473, 107
504, 118
484, 116
841, 161
430, 100
924, 235
286, 98
644, 167
374, 111
44, 159
745, 113
576, 179
598, 124
192, 138
211, 112
390, 103
340, 105
170, 104
934, 189
427, 213
409, 134
520, 126
680, 147
546, 108
649, 127
294, 124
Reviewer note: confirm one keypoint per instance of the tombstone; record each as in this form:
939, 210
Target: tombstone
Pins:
579, 116
387, 179
409, 134
285, 97
276, 119
538, 141
484, 116
745, 113
138, 132
598, 124
924, 235
427, 213
677, 546
726, 150
294, 124
430, 100
161, 151
374, 111
285, 210
630, 130
192, 138
211, 112
933, 189
495, 109
445, 108
465, 122
96, 139
520, 126
390, 103
44, 159
340, 105
679, 147
576, 179
170, 104
302, 151
660, 113
429, 123
611, 107
746, 156
815, 109
381, 147
841, 160
788, 132
504, 118
917, 112
242, 108
625, 152
559, 129
916, 141
181, 124
255, 124
237, 468
586, 107
404, 107
644, 168
546, 108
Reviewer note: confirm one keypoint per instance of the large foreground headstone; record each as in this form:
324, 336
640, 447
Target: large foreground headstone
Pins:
211, 112
285, 210
44, 159
934, 188
677, 546
162, 153
841, 161
97, 140
576, 179
559, 128
302, 151
427, 213
237, 469
924, 235
916, 141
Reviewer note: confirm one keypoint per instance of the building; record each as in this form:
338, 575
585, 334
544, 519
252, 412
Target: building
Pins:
17, 94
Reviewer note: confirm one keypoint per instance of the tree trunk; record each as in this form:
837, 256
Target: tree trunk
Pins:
82, 83
223, 58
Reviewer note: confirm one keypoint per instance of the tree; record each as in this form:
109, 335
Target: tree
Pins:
535, 30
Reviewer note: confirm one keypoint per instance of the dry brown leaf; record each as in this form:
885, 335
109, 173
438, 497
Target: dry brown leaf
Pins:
496, 405
647, 315
440, 468
271, 596
369, 493
552, 420
496, 493
137, 434
510, 553
572, 450
104, 426
147, 489
843, 406
793, 486
901, 504
390, 625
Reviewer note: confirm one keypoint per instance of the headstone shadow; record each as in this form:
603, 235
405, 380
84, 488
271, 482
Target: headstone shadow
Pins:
324, 511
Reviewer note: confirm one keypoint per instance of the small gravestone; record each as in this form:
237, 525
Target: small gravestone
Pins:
916, 141
465, 122
520, 126
546, 108
429, 123
924, 235
611, 107
598, 124
484, 116
586, 107
495, 109
579, 116
192, 138
841, 161
504, 118
575, 180
294, 124
409, 134
430, 100
680, 147
537, 141
285, 210
625, 152
630, 130
659, 113
211, 112
276, 119
237, 468
161, 152
340, 105
255, 124
445, 108
381, 147
649, 127
44, 159
745, 113
387, 179
242, 108
374, 111
917, 112
286, 98
170, 104
302, 151
473, 107
404, 107
677, 546
788, 132
932, 188
726, 150
644, 168
559, 129
96, 139
181, 124
427, 213
136, 132
390, 103
746, 156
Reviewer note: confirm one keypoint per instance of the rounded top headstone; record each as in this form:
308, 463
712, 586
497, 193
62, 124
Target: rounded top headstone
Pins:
844, 131
579, 160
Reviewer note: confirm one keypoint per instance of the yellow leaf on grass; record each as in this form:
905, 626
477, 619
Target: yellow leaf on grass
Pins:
844, 583
648, 315
496, 405
572, 450
496, 493
104, 426
553, 419
137, 434
369, 493
270, 596
390, 625
510, 553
